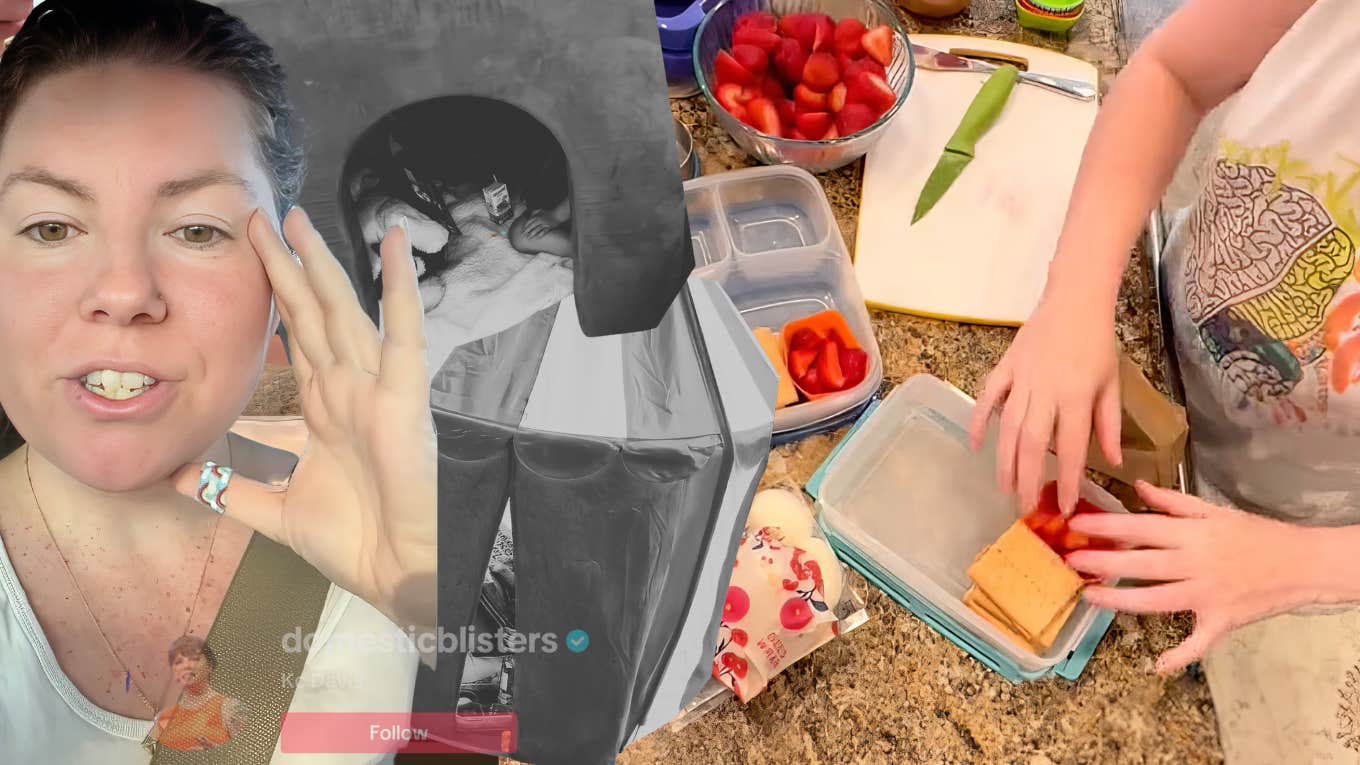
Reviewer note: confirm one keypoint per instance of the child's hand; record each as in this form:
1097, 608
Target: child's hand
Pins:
1229, 567
1057, 381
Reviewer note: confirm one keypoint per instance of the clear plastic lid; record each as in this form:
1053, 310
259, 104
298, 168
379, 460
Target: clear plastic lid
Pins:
910, 496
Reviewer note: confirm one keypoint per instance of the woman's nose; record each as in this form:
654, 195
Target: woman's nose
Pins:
125, 291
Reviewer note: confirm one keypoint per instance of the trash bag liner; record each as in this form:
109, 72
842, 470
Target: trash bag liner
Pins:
748, 385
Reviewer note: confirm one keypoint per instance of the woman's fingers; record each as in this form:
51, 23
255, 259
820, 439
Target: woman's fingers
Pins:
404, 368
1108, 421
1155, 599
302, 369
350, 332
1131, 529
993, 391
1035, 436
257, 505
292, 291
1191, 650
1145, 565
1074, 439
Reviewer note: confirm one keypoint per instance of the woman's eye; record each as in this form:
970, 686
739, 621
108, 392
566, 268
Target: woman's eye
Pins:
49, 232
200, 235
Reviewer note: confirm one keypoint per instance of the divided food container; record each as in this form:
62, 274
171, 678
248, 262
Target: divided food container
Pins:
906, 502
767, 236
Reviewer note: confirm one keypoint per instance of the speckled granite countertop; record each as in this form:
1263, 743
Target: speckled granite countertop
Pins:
894, 691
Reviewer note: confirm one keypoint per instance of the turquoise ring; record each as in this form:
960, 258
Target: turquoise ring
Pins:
212, 484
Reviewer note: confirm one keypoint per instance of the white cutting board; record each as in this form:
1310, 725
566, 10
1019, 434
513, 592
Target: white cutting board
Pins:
981, 254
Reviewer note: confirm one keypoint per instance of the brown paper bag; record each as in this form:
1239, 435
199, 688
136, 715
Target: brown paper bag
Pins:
1152, 435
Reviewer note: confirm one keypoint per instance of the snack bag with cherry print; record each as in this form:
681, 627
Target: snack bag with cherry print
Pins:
775, 613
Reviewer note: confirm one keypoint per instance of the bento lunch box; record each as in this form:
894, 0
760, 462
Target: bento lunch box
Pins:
768, 237
906, 502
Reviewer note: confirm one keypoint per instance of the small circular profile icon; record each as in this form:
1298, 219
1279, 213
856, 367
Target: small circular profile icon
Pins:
577, 641
202, 717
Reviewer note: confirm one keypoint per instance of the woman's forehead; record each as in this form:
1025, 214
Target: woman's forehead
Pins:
131, 128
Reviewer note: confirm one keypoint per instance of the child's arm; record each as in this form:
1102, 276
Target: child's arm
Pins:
1060, 375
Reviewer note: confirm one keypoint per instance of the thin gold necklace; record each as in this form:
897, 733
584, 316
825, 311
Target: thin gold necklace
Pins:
76, 585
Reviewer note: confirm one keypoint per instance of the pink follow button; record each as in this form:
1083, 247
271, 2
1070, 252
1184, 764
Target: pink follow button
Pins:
415, 733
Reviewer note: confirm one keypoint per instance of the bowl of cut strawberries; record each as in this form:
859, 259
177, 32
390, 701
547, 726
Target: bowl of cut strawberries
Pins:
811, 83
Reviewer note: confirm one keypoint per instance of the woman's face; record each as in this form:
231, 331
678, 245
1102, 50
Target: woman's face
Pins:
190, 669
134, 312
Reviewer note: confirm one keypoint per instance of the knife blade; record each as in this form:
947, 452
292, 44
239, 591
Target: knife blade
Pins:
929, 58
977, 120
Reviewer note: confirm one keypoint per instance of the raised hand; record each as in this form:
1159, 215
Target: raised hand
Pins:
361, 503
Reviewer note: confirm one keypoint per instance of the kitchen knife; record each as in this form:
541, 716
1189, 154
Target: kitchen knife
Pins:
929, 58
979, 118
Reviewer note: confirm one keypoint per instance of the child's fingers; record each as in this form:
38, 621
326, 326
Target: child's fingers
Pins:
1173, 502
1191, 650
1073, 440
1108, 421
1156, 599
1131, 529
1144, 565
993, 391
1035, 437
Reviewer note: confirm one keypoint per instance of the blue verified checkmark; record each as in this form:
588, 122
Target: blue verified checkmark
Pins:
577, 641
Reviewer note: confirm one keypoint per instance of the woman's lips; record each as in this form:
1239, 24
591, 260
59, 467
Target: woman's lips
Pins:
101, 409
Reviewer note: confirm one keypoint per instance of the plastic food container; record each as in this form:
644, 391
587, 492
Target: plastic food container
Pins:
767, 236
906, 502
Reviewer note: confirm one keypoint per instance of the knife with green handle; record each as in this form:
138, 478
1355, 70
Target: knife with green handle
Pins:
979, 118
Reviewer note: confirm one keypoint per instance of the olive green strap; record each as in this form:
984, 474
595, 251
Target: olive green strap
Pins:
274, 593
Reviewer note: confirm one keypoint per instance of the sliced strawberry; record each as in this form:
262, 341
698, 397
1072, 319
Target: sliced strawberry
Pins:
808, 99
789, 61
849, 67
728, 69
805, 338
1073, 540
1053, 529
1048, 500
832, 134
752, 59
788, 114
878, 43
823, 33
729, 97
1035, 519
797, 136
772, 89
801, 27
835, 100
765, 116
821, 72
755, 20
854, 361
800, 360
814, 123
829, 366
812, 381
871, 90
854, 118
764, 39
848, 35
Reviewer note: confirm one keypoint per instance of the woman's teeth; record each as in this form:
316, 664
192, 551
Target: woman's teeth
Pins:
117, 386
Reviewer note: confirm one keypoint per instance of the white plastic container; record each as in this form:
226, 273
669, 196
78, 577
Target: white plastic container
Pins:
768, 237
911, 499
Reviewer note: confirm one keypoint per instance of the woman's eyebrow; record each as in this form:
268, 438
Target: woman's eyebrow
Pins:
166, 190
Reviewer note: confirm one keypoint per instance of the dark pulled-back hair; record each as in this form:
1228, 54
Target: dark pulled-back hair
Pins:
62, 35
